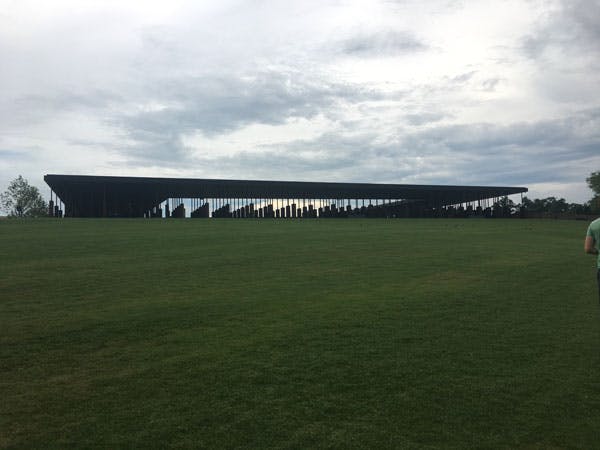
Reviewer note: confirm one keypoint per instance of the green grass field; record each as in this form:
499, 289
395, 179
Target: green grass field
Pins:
298, 334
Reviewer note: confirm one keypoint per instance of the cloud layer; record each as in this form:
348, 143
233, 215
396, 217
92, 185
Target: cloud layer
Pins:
497, 93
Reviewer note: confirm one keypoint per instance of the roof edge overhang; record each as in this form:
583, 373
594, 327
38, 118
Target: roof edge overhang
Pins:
94, 179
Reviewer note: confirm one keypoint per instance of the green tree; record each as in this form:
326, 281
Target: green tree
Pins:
594, 204
23, 200
593, 182
504, 206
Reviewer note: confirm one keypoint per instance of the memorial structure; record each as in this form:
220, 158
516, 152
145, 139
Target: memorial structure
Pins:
107, 196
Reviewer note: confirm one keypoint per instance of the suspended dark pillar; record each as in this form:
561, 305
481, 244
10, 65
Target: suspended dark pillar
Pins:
51, 207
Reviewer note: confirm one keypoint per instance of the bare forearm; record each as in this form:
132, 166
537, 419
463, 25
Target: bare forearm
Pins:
589, 246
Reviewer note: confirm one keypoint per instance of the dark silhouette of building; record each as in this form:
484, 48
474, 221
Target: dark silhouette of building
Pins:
103, 196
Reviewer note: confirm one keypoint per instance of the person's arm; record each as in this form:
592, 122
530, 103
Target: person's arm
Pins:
589, 247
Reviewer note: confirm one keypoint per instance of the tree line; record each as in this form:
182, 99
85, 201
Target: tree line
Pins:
23, 200
553, 205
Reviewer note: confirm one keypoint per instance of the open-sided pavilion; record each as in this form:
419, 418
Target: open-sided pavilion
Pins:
108, 196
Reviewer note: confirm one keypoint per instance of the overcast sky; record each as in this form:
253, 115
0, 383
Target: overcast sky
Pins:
433, 92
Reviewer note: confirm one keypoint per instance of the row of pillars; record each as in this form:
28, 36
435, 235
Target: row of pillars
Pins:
245, 208
55, 209
305, 208
294, 211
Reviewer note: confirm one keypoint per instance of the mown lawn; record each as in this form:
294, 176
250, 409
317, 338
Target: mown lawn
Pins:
298, 334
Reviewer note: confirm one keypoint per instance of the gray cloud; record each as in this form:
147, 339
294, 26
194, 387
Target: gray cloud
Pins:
30, 109
13, 155
490, 84
463, 77
388, 43
216, 105
330, 157
573, 27
556, 151
522, 153
424, 118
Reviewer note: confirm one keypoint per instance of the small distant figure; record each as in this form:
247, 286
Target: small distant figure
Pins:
592, 245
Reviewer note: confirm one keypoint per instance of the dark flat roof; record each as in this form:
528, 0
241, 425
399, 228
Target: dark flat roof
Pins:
163, 188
